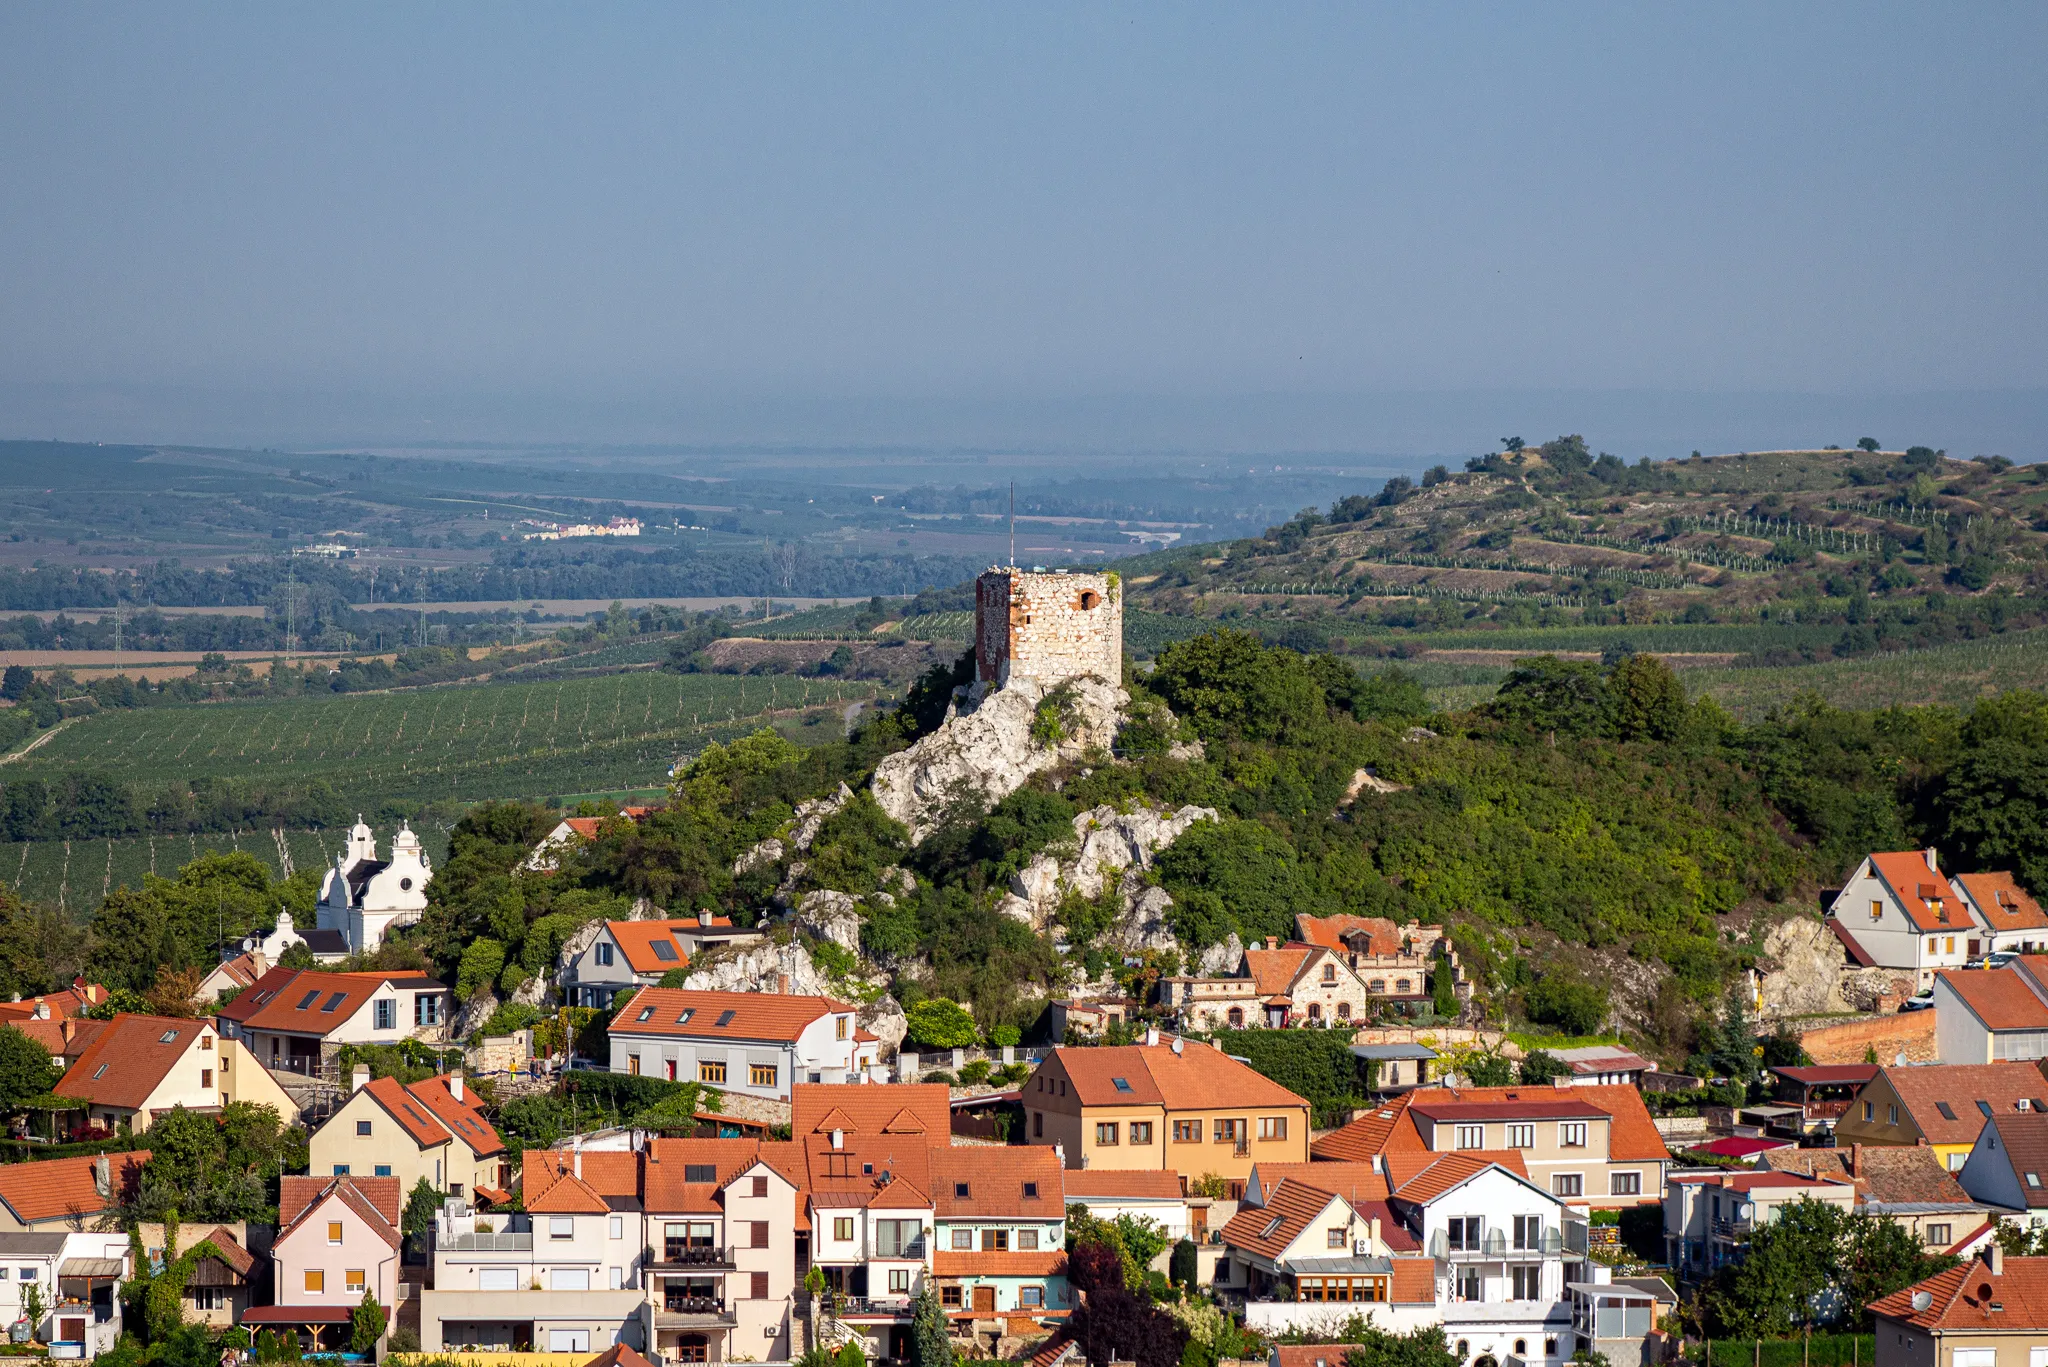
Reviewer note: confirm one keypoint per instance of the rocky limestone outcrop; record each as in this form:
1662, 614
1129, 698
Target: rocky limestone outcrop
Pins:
833, 916
1142, 925
537, 990
1108, 846
1800, 970
789, 968
475, 1012
1366, 781
1218, 960
884, 1019
984, 750
809, 820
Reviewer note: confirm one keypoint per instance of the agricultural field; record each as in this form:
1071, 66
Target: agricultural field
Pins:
76, 875
463, 743
1954, 675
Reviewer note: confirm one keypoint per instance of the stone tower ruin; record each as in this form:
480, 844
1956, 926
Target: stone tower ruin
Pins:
1047, 627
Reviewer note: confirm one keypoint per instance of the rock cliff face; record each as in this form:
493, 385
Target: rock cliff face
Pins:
1112, 848
765, 964
985, 751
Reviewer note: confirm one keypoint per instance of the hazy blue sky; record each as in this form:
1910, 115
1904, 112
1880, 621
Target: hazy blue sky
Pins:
689, 221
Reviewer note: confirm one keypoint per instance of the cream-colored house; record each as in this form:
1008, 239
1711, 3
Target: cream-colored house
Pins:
433, 1129
137, 1067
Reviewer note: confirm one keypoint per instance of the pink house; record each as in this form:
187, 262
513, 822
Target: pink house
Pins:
337, 1237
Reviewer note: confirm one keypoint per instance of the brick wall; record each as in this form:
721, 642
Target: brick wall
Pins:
1909, 1032
1047, 627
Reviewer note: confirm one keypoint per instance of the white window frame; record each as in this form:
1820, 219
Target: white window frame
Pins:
1573, 1134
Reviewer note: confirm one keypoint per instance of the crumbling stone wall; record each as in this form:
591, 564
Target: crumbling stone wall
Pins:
1047, 627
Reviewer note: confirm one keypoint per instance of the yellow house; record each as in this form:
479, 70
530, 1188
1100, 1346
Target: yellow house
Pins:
1943, 1106
134, 1068
432, 1129
1184, 1108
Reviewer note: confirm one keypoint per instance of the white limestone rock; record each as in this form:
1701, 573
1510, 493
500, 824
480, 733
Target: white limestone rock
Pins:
830, 915
475, 1012
535, 991
1221, 959
810, 816
984, 751
768, 852
884, 1019
1143, 923
1107, 845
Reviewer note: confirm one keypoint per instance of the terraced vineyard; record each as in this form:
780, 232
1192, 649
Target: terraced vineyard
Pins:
463, 743
76, 875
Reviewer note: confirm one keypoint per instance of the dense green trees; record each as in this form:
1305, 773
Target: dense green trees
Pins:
1814, 1264
182, 922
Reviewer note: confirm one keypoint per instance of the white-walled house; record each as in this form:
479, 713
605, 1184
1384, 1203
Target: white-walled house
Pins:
296, 1020
2016, 921
755, 1043
1993, 1015
363, 897
625, 955
76, 1274
1900, 911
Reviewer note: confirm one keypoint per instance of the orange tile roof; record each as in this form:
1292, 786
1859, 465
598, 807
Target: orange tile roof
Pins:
412, 1117
1267, 1230
618, 1355
1149, 1184
1274, 970
129, 1059
608, 1172
50, 1188
639, 942
1960, 1086
50, 1033
376, 1199
232, 1254
974, 1182
1354, 1182
1919, 888
1310, 1354
1045, 1263
72, 1001
1198, 1078
870, 1108
664, 1184
1972, 1298
754, 1015
1999, 997
240, 969
2005, 904
1414, 1282
1447, 1171
568, 1194
1329, 932
309, 1002
1364, 1138
1631, 1135
464, 1118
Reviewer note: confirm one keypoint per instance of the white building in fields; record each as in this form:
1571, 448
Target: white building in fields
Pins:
363, 897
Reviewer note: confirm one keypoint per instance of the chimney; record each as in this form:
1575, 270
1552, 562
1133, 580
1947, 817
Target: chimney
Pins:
42, 1010
1373, 1227
1928, 854
1994, 1256
360, 1078
704, 916
67, 1028
1151, 1037
455, 1085
1272, 942
103, 1177
1855, 1159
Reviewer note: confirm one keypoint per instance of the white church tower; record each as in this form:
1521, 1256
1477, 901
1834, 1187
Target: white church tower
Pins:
363, 896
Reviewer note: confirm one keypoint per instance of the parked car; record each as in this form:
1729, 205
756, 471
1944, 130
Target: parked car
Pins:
1923, 1000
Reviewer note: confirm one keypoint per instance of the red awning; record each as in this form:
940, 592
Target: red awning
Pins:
297, 1314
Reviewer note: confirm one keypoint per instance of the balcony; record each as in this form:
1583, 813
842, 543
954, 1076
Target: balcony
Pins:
1495, 1243
892, 1307
488, 1243
676, 1255
693, 1312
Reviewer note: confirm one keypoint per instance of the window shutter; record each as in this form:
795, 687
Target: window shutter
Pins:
760, 1233
760, 1186
760, 1287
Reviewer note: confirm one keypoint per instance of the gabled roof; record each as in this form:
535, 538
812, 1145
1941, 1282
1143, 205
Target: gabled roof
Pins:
464, 1118
1858, 955
1274, 970
764, 1016
50, 1031
241, 969
52, 1188
414, 1118
1918, 889
618, 1355
129, 1059
1447, 1172
1267, 1230
650, 946
1972, 1093
666, 1185
1197, 1078
1331, 931
870, 1108
376, 1199
72, 1001
973, 1182
2024, 1140
1891, 1174
613, 1174
1631, 1137
2005, 904
1973, 1298
309, 1002
1355, 1182
568, 1194
237, 1259
1128, 1184
2000, 998
1830, 1074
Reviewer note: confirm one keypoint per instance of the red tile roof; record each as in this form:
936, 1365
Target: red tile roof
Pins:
1045, 1263
238, 1259
975, 1182
1365, 1137
637, 940
670, 1011
1448, 1171
1971, 1298
1889, 1173
50, 1033
1147, 1184
1826, 1074
1274, 970
568, 1194
1862, 957
618, 1355
2001, 998
1924, 1090
376, 1199
72, 1001
869, 1109
412, 1116
608, 1172
1267, 1230
307, 1002
464, 1118
1919, 889
1198, 1078
129, 1059
1631, 1137
1414, 1282
1355, 1182
2005, 904
51, 1188
1329, 932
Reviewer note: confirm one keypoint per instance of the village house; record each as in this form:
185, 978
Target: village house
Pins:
1823, 1093
75, 1000
53, 1195
1943, 1106
570, 832
296, 1020
1897, 911
1708, 1216
135, 1068
1181, 1108
336, 1238
1993, 1015
1589, 1145
230, 976
432, 1130
1604, 1065
2008, 1167
1146, 1193
2015, 921
364, 898
75, 1277
1000, 1230
1991, 1311
1908, 1187
217, 1293
754, 1043
633, 954
1381, 953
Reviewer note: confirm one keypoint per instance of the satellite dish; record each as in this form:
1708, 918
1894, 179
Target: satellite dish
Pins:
1921, 1300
